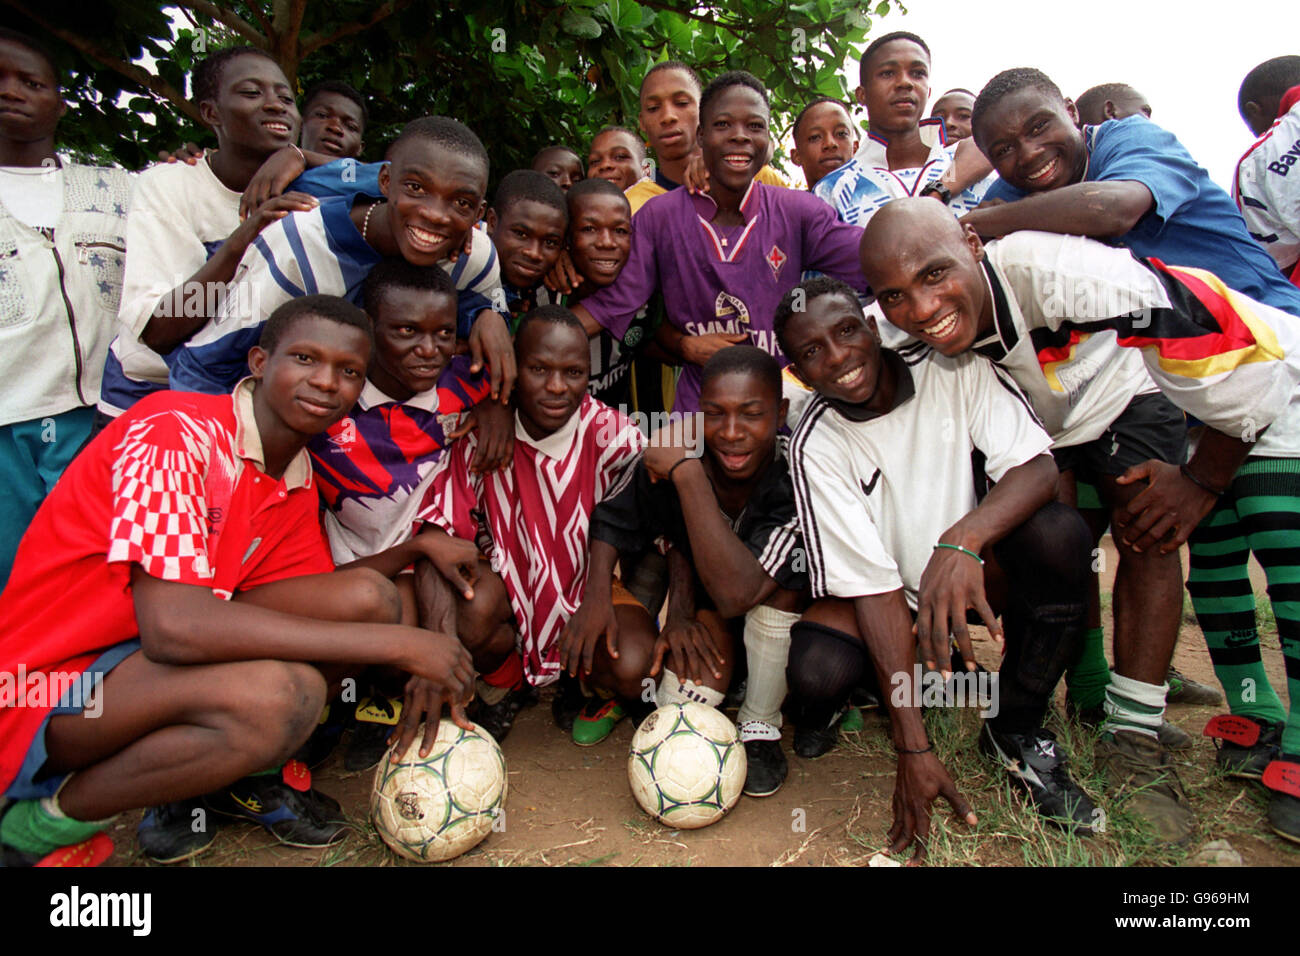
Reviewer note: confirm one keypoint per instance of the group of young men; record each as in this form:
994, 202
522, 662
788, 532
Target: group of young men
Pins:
314, 444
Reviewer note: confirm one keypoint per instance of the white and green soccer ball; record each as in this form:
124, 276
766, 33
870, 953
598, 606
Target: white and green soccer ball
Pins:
687, 766
433, 808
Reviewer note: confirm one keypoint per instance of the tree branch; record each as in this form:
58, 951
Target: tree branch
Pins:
137, 74
230, 19
261, 17
313, 43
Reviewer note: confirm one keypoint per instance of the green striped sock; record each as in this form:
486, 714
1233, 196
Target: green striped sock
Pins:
1267, 493
1088, 676
1133, 705
1224, 602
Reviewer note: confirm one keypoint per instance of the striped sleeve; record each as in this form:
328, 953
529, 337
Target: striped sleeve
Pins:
774, 537
478, 282
275, 269
1217, 354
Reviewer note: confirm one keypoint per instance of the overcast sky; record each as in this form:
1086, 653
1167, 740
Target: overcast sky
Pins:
1189, 57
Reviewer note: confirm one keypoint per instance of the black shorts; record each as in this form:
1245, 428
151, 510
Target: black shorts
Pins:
1150, 427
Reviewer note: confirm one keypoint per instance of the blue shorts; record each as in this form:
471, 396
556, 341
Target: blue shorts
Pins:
33, 781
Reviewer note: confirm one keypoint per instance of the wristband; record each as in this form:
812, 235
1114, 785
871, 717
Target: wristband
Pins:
301, 155
900, 751
939, 191
1187, 473
957, 547
676, 465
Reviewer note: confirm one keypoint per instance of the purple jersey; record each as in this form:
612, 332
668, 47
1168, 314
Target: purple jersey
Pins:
726, 279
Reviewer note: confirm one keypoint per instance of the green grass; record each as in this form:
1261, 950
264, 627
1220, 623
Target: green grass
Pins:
1010, 832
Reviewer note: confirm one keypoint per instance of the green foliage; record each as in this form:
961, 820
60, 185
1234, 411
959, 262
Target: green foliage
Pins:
520, 74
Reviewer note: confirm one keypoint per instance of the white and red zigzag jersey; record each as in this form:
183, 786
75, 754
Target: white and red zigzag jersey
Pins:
1267, 189
537, 514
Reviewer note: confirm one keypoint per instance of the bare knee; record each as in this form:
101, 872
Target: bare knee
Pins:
375, 599
478, 622
273, 707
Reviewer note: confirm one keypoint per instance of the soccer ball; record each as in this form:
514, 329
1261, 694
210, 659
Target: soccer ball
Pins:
687, 765
437, 807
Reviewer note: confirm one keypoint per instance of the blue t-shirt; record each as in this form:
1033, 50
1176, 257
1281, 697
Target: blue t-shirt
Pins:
343, 177
1193, 223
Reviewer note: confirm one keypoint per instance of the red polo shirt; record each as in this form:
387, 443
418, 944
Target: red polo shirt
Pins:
175, 485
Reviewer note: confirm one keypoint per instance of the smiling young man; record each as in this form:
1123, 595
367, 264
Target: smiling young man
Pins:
618, 155
1128, 182
730, 517
527, 221
1064, 315
1267, 184
907, 539
670, 100
824, 139
374, 466
431, 194
64, 228
531, 518
184, 229
189, 531
600, 241
724, 259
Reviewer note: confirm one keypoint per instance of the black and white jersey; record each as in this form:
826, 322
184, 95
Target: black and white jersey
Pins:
645, 511
876, 492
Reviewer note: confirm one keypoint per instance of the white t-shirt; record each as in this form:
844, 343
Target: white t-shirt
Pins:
33, 194
874, 496
180, 215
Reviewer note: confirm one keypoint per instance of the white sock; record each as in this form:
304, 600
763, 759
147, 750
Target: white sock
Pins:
1133, 705
673, 691
767, 651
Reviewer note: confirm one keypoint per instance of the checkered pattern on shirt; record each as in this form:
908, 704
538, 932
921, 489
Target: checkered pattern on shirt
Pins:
170, 475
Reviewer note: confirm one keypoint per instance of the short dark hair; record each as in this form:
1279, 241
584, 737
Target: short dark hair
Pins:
594, 186
1095, 97
342, 89
553, 314
1272, 78
957, 89
807, 291
640, 145
208, 73
555, 147
36, 46
725, 82
446, 132
794, 131
397, 273
330, 307
887, 38
1008, 82
529, 184
745, 359
669, 65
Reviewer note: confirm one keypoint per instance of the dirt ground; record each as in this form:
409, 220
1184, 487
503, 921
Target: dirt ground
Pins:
572, 806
